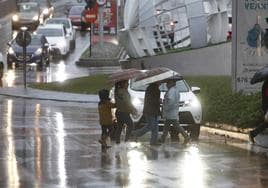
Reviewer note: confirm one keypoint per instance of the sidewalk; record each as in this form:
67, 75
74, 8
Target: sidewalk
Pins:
29, 93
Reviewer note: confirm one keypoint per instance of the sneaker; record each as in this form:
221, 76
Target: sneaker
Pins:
251, 137
155, 144
161, 140
133, 137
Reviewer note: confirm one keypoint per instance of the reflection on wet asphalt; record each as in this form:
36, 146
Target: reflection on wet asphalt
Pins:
54, 144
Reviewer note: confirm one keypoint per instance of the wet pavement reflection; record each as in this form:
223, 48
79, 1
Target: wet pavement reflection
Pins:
54, 144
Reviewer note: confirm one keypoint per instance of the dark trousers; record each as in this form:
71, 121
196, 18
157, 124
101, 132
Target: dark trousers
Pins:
106, 130
259, 129
177, 127
123, 118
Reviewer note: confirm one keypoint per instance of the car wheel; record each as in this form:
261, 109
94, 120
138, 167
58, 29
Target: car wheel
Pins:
73, 45
194, 132
83, 26
174, 134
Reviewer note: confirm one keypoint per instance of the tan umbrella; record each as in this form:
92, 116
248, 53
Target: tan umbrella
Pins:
124, 74
156, 75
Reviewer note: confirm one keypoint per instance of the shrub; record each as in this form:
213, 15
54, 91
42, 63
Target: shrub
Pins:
221, 105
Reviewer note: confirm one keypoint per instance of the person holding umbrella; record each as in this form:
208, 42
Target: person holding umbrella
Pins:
124, 108
260, 76
260, 128
171, 110
151, 111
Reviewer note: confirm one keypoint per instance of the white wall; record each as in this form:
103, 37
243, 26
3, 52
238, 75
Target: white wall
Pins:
213, 60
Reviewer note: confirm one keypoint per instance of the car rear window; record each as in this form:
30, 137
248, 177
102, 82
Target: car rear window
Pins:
28, 8
63, 22
76, 10
50, 32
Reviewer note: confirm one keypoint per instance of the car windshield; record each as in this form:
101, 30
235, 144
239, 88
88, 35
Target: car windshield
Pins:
63, 22
42, 3
181, 85
28, 8
36, 41
50, 32
77, 10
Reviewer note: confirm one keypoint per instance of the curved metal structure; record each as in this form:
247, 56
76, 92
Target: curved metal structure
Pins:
160, 26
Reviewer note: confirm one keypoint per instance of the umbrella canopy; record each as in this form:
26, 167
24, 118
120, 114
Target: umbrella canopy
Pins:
124, 74
156, 75
260, 75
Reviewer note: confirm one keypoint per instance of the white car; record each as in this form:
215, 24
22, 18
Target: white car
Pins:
190, 112
57, 37
69, 28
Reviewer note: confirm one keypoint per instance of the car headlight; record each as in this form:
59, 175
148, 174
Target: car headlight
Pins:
38, 51
45, 11
11, 51
136, 101
35, 18
62, 44
15, 18
192, 102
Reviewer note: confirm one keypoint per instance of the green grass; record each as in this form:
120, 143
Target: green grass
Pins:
219, 104
84, 85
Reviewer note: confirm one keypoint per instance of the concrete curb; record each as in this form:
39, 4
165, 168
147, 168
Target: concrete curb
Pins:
37, 94
230, 134
97, 62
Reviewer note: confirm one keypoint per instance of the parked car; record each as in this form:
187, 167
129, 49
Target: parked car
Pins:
57, 37
28, 15
190, 112
75, 14
37, 52
69, 28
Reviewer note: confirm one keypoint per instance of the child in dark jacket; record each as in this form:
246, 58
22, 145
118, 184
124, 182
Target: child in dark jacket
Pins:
105, 116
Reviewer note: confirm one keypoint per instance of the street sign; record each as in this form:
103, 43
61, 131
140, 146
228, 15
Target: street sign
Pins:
90, 15
101, 2
23, 38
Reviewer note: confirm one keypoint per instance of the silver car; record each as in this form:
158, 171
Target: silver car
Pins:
28, 15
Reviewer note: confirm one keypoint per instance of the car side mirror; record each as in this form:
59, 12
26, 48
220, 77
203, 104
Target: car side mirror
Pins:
195, 90
75, 27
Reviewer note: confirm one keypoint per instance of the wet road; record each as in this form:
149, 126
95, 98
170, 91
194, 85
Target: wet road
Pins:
54, 144
59, 69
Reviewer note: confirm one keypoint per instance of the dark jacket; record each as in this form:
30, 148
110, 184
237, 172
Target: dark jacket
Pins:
265, 96
152, 100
